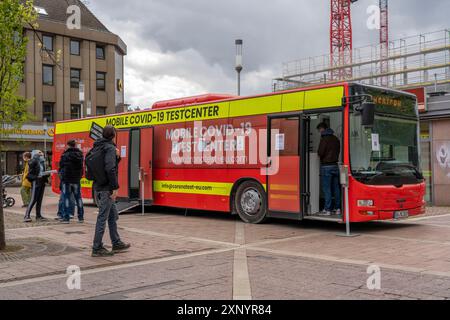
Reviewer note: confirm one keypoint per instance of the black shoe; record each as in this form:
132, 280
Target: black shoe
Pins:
102, 252
120, 246
41, 219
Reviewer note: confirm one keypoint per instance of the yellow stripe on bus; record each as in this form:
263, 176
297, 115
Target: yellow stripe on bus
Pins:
191, 187
324, 98
283, 187
255, 106
195, 187
296, 101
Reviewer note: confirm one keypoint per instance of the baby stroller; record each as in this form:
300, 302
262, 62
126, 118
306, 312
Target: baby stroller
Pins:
8, 202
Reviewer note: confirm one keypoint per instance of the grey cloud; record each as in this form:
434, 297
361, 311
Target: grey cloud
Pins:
197, 36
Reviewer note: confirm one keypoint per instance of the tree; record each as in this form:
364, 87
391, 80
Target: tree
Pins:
14, 15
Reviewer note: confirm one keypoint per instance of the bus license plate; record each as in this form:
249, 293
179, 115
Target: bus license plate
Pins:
401, 214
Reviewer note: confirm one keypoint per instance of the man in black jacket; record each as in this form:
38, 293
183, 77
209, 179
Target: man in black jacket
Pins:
106, 186
329, 151
38, 178
71, 172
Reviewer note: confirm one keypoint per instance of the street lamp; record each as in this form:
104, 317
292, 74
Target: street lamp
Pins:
81, 93
239, 67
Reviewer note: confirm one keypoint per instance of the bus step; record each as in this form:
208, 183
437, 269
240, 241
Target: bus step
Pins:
324, 218
126, 206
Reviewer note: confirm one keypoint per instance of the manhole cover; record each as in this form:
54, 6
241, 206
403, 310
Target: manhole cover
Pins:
34, 247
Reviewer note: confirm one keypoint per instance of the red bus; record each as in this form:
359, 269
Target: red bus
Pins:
257, 156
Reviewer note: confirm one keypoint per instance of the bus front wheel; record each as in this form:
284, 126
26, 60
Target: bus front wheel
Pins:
251, 202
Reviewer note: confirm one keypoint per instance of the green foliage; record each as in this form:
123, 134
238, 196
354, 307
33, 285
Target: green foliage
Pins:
14, 15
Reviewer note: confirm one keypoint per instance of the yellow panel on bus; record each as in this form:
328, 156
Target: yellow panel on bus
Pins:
324, 98
293, 101
255, 106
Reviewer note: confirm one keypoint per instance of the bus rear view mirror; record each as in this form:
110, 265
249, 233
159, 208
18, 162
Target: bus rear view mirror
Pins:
368, 114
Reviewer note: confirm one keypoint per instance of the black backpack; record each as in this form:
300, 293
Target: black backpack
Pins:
95, 166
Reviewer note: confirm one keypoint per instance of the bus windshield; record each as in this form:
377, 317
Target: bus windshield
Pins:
386, 153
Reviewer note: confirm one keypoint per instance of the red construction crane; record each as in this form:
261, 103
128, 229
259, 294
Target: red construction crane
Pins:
384, 40
341, 41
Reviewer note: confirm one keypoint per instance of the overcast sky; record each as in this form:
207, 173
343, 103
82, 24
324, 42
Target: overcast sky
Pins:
179, 48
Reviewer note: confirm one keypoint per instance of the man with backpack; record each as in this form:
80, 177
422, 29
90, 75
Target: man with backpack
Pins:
38, 177
71, 172
102, 164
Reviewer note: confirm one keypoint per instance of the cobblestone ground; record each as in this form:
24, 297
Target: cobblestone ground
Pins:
206, 255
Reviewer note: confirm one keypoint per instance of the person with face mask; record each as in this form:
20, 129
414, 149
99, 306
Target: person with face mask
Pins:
38, 177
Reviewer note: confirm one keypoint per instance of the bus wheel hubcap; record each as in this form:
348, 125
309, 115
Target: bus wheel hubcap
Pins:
251, 202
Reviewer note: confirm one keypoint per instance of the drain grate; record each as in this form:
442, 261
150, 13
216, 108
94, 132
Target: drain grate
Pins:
34, 247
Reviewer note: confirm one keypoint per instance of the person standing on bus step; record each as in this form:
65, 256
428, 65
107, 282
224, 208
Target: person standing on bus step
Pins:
329, 151
71, 171
25, 190
104, 171
38, 178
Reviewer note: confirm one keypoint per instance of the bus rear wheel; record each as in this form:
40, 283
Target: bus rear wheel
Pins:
251, 202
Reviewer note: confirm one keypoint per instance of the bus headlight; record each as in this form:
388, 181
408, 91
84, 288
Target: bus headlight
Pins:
365, 203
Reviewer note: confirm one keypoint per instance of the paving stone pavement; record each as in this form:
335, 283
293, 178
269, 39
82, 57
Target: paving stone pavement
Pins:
206, 255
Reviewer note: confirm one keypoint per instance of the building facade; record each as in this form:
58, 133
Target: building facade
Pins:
435, 143
60, 62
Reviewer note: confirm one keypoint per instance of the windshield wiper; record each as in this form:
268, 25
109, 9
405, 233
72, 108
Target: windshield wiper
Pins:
390, 171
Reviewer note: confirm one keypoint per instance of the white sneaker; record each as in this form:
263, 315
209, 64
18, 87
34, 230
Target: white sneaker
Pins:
338, 212
325, 213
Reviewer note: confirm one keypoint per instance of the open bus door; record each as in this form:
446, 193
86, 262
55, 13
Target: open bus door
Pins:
122, 142
283, 185
146, 164
136, 151
140, 164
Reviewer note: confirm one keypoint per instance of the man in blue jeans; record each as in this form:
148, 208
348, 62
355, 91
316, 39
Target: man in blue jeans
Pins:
105, 175
71, 172
329, 151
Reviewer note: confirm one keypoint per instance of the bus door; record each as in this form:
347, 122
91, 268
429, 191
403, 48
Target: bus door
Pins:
146, 162
140, 163
122, 142
134, 164
283, 180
